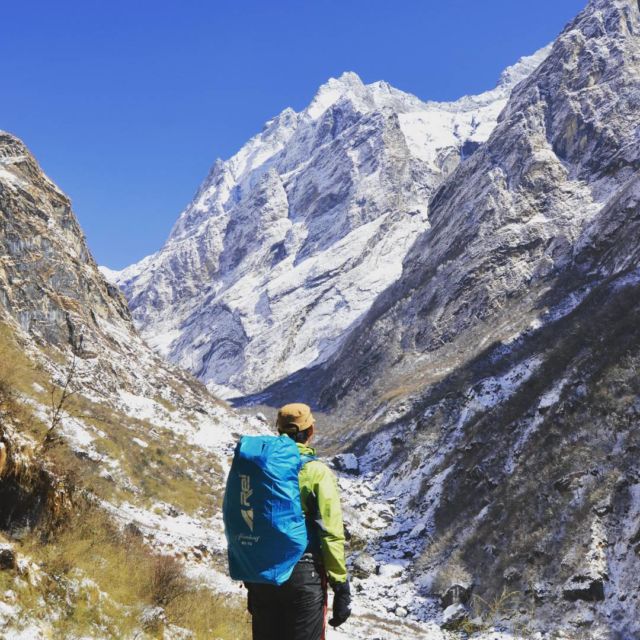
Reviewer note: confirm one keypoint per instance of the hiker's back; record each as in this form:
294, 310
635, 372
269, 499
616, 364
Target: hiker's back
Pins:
286, 560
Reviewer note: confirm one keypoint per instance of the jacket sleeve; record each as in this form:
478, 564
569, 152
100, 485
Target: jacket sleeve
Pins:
329, 520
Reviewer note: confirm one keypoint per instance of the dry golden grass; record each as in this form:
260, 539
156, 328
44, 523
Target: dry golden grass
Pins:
120, 576
16, 367
209, 615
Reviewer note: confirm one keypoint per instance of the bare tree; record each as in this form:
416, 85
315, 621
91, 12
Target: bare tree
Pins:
60, 397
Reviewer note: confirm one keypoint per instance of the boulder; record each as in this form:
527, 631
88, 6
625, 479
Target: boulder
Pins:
456, 594
401, 612
453, 616
172, 512
8, 560
364, 565
602, 508
347, 463
583, 587
511, 575
390, 570
541, 591
583, 618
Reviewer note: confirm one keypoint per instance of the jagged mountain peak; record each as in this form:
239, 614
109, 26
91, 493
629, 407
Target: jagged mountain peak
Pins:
314, 213
16, 159
540, 177
346, 81
517, 72
46, 252
363, 98
348, 84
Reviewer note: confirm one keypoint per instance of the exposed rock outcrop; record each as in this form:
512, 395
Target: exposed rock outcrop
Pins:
8, 560
453, 616
49, 281
584, 587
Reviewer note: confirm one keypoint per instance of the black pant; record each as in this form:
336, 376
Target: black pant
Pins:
293, 611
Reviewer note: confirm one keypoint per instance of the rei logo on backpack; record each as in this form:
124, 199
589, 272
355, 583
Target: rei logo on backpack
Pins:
263, 518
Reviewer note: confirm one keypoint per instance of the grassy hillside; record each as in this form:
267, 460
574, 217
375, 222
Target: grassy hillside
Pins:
77, 571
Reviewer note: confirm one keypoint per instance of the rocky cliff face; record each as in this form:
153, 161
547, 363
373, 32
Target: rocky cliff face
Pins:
135, 437
513, 218
287, 244
498, 376
52, 293
48, 280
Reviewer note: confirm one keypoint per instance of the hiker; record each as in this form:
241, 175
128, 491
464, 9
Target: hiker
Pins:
294, 608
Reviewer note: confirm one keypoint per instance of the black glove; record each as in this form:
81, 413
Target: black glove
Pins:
341, 603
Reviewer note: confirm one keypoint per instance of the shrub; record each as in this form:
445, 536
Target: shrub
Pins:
168, 580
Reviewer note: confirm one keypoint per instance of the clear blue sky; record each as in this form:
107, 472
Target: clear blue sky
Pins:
126, 104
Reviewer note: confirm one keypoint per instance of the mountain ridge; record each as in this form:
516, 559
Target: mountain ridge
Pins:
330, 189
96, 432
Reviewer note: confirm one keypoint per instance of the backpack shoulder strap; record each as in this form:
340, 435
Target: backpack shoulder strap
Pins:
307, 458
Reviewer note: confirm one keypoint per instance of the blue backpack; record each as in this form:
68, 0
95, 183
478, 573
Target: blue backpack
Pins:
263, 518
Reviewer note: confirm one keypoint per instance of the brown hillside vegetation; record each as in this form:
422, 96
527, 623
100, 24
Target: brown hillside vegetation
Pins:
93, 578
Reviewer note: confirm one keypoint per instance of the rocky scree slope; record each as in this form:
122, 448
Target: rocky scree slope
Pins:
286, 244
144, 442
494, 386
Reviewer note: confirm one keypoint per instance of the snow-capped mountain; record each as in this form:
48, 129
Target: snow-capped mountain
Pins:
287, 243
145, 444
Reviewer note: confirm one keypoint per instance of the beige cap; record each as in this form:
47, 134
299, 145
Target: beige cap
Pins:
294, 417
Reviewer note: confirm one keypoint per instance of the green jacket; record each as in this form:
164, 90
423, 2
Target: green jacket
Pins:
317, 480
